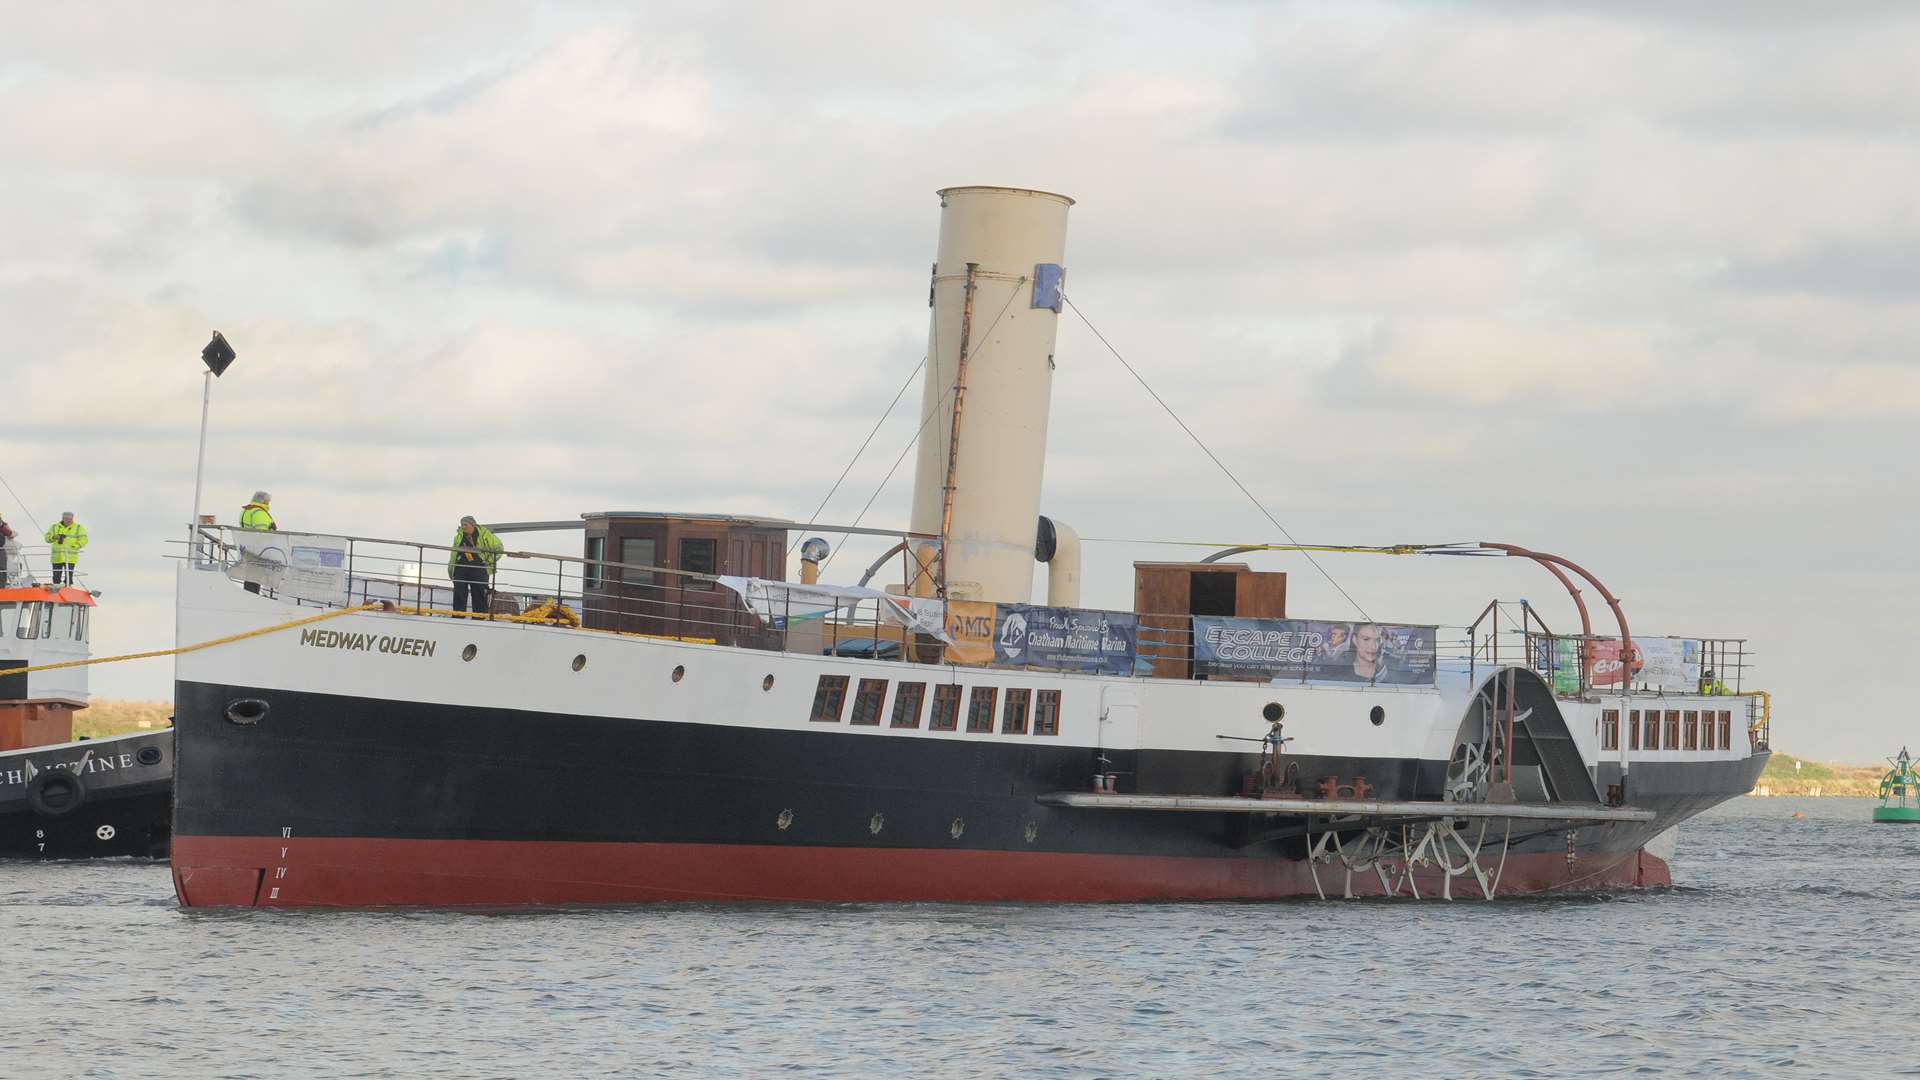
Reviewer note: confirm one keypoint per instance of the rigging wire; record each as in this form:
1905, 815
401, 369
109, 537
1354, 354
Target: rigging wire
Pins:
22, 504
931, 413
1452, 547
856, 455
1197, 441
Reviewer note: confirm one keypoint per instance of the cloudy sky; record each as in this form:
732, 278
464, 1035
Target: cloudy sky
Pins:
1631, 282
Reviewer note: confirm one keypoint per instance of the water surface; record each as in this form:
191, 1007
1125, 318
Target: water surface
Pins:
1789, 949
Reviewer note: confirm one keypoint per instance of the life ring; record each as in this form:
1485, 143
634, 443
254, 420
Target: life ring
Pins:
56, 792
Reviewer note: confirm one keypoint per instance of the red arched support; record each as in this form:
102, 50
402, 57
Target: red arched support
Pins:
1550, 562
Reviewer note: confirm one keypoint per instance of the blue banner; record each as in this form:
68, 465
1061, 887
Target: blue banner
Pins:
1069, 639
1373, 653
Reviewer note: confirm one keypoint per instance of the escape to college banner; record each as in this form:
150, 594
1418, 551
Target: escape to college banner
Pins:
1377, 653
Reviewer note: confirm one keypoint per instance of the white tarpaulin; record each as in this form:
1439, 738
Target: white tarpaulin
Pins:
783, 603
298, 566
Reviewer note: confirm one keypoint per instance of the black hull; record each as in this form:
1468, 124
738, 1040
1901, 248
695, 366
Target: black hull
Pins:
362, 769
121, 808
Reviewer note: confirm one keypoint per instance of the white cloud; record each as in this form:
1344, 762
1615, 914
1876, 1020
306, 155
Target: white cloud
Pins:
1574, 276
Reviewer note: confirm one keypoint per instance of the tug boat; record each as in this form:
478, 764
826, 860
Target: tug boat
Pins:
1899, 792
62, 798
666, 717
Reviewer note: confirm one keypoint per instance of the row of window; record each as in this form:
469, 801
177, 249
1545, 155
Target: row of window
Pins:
697, 556
41, 619
1020, 706
1675, 729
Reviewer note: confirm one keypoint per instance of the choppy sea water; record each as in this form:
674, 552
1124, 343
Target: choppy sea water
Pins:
1789, 949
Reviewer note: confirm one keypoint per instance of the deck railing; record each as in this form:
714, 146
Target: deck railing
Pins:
658, 601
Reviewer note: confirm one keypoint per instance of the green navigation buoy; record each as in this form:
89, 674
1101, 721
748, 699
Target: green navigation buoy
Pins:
1899, 792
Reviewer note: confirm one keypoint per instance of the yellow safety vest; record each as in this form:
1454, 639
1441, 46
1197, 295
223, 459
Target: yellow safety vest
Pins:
486, 547
256, 516
67, 540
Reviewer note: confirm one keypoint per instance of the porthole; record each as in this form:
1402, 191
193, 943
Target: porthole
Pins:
149, 755
766, 683
959, 826
876, 823
579, 661
469, 653
246, 711
679, 672
1378, 714
784, 820
1274, 711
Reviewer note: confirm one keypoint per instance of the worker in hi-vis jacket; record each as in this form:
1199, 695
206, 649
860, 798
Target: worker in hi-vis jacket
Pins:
257, 516
66, 539
470, 565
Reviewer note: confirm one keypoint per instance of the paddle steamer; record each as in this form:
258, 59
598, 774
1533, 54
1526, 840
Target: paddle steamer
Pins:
664, 716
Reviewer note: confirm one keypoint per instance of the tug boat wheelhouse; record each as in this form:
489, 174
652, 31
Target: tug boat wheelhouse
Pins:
665, 717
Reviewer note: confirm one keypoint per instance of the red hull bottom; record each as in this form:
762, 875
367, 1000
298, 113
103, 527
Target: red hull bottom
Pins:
335, 872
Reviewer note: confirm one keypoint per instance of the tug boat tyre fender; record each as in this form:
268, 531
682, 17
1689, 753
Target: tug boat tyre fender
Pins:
56, 793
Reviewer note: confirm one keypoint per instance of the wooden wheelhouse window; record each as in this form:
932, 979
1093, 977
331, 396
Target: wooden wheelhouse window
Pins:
980, 708
1726, 730
1046, 713
828, 699
638, 551
1706, 731
1633, 730
867, 700
1653, 729
1672, 741
591, 572
946, 708
1693, 730
698, 556
1013, 719
1610, 729
906, 704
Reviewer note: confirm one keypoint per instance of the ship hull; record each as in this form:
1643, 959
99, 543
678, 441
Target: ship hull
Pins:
356, 802
122, 807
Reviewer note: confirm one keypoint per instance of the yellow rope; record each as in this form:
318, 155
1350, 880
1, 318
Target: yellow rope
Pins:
228, 640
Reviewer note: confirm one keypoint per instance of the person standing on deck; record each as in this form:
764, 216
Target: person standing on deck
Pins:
6, 536
67, 538
256, 516
470, 564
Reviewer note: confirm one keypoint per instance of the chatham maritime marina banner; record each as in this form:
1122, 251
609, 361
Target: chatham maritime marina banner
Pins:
1376, 653
1065, 639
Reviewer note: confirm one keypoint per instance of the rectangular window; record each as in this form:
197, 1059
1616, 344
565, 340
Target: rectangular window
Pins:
1693, 730
1672, 741
1013, 719
829, 698
867, 701
906, 704
1046, 713
592, 574
946, 708
980, 708
638, 551
32, 616
1653, 729
1726, 730
1633, 730
1610, 729
698, 557
1706, 731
